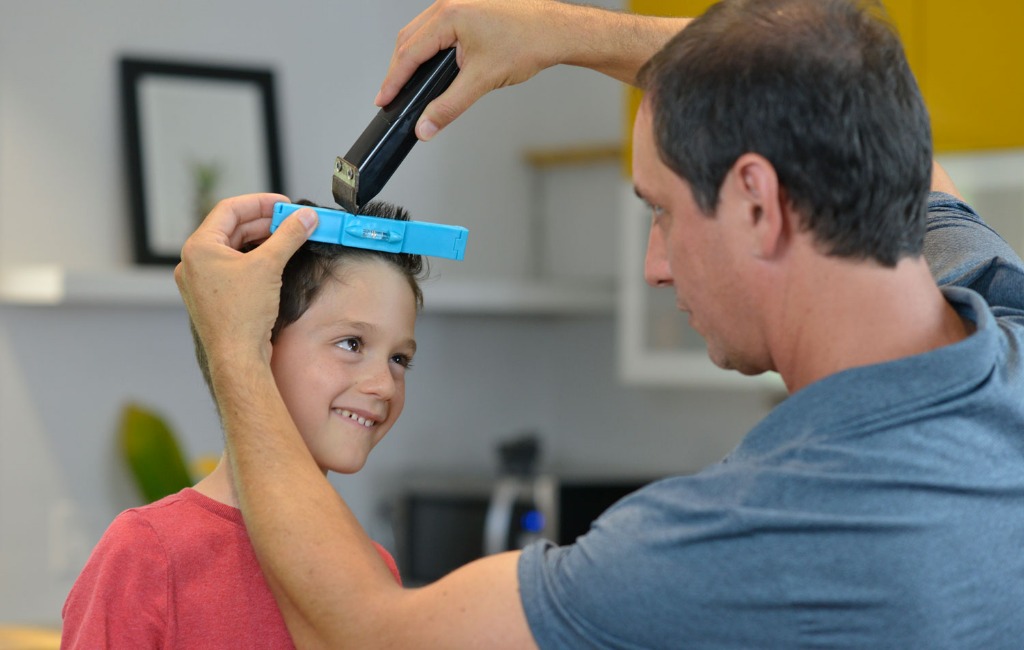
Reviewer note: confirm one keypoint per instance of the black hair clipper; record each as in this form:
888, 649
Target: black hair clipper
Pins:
382, 147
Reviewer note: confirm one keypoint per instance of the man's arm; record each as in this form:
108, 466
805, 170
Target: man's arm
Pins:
962, 251
502, 43
333, 587
941, 182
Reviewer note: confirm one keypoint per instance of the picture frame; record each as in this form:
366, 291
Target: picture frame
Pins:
194, 134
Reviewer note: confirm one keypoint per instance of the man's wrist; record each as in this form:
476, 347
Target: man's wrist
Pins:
238, 371
614, 43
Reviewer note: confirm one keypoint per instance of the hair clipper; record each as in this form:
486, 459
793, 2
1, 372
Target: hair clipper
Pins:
384, 144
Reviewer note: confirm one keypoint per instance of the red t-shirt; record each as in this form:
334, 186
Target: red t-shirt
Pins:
178, 573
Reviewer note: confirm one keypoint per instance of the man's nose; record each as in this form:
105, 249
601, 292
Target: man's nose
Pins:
656, 268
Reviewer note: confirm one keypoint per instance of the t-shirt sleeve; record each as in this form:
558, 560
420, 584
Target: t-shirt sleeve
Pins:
655, 566
606, 590
390, 561
671, 565
963, 251
120, 598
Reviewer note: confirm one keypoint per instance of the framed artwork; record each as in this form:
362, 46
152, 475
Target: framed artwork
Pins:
194, 134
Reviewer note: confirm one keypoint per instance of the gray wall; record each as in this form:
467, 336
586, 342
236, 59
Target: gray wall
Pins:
66, 371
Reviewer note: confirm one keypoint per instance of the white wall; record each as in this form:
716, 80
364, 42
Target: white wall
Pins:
66, 371
61, 167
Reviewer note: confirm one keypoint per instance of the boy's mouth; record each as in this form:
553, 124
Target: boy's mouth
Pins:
345, 413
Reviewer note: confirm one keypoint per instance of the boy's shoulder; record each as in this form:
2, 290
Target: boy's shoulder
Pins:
169, 507
183, 514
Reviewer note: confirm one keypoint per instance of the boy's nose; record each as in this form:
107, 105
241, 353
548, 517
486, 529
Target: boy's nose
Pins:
378, 380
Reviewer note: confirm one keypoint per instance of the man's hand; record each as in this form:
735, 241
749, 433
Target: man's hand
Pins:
497, 44
501, 43
232, 296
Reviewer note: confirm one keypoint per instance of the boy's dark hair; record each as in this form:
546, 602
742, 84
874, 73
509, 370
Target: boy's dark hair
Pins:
821, 89
308, 269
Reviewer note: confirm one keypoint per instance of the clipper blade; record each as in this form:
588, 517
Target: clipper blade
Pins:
345, 185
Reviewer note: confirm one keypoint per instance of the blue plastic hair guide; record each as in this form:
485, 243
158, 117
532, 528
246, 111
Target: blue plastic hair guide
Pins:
376, 233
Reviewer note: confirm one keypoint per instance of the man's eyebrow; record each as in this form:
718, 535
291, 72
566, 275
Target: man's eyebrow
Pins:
640, 195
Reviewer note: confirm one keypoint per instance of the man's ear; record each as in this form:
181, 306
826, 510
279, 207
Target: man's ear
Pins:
763, 216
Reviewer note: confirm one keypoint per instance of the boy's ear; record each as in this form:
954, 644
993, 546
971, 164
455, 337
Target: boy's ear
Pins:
764, 215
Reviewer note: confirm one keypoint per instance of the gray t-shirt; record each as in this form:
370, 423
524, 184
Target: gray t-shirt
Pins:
881, 507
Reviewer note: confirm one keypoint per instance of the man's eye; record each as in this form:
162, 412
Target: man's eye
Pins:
656, 210
352, 344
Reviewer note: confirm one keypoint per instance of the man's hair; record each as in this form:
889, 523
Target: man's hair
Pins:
822, 90
314, 263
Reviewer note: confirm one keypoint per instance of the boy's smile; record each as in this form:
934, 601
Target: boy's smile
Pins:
363, 420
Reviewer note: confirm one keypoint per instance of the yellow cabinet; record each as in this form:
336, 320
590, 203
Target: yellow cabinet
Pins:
968, 59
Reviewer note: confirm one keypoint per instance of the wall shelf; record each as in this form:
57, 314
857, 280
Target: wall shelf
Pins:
518, 297
53, 285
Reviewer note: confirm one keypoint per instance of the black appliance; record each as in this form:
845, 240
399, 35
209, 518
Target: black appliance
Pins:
443, 522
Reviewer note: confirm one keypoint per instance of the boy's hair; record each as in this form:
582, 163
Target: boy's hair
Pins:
314, 263
820, 88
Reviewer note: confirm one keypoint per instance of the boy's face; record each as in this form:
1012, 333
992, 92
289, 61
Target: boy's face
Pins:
341, 366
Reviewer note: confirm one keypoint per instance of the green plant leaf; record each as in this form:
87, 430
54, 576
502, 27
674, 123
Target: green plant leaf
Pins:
152, 453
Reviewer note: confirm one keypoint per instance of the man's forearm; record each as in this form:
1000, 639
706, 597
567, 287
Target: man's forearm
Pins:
295, 519
615, 43
941, 182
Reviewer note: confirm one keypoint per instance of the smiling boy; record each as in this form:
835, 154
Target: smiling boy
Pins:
181, 572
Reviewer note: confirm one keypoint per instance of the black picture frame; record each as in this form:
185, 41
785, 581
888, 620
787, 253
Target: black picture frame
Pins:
194, 133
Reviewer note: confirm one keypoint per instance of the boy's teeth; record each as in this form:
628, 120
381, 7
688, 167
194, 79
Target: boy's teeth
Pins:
352, 416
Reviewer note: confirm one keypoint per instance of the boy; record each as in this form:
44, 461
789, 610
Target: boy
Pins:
181, 572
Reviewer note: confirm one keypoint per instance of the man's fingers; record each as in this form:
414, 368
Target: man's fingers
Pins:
416, 43
289, 236
240, 209
239, 220
467, 87
406, 60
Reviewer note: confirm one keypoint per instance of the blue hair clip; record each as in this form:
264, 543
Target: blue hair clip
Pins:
376, 233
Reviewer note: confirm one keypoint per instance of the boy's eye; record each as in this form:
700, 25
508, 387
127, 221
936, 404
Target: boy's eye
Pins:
403, 360
352, 344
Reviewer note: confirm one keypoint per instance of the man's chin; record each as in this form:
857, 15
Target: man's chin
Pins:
731, 362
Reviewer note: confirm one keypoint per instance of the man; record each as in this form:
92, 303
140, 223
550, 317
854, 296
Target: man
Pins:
784, 150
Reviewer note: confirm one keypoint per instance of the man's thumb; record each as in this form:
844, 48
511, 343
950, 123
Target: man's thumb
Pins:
291, 234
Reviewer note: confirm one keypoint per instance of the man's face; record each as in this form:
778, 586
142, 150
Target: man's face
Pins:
341, 366
697, 254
